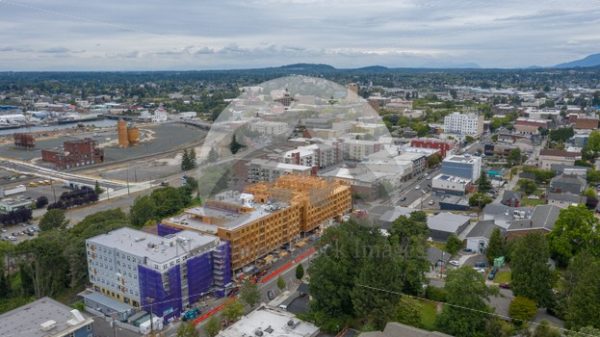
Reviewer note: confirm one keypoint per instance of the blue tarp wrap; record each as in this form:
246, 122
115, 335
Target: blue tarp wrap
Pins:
166, 301
199, 276
164, 230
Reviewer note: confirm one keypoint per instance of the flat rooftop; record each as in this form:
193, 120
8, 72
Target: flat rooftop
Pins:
453, 179
461, 159
271, 322
27, 320
156, 248
230, 219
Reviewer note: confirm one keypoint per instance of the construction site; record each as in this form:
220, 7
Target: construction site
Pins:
266, 216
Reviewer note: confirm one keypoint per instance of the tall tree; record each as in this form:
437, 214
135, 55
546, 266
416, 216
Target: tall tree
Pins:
483, 184
576, 229
187, 329
212, 326
531, 274
280, 283
235, 146
377, 288
54, 218
233, 310
299, 272
583, 301
142, 210
465, 313
496, 246
185, 160
408, 237
453, 244
249, 293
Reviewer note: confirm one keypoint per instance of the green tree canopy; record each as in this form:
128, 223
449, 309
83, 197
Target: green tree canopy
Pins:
142, 211
281, 283
576, 229
496, 246
465, 313
233, 310
212, 326
479, 200
522, 310
187, 329
299, 272
531, 274
453, 244
54, 218
249, 293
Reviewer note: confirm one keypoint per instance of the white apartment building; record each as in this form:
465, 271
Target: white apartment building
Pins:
269, 170
464, 124
314, 155
269, 128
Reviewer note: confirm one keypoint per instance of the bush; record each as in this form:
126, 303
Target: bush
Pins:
522, 309
436, 294
41, 202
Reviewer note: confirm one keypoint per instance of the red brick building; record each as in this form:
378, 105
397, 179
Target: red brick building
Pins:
432, 143
75, 154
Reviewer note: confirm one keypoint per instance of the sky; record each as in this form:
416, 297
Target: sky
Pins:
227, 34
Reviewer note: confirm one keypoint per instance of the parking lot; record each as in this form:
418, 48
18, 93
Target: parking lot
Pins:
18, 233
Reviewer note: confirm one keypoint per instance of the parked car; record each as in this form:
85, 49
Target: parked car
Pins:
454, 263
190, 314
492, 274
480, 264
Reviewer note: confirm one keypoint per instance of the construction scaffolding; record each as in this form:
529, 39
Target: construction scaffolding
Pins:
161, 293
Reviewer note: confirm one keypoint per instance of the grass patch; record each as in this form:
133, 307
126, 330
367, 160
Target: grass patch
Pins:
438, 245
532, 202
428, 314
503, 276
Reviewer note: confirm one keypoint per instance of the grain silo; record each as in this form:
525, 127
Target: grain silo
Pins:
133, 135
122, 133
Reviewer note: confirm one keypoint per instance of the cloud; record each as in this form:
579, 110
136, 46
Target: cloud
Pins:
232, 34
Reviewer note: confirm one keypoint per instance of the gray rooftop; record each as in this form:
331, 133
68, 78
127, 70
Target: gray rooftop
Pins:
393, 329
106, 301
154, 247
483, 229
447, 222
25, 321
543, 217
567, 197
396, 212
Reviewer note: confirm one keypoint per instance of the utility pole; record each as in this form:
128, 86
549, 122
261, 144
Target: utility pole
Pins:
114, 325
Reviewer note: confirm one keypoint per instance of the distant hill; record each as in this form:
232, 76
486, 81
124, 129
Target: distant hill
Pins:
588, 61
302, 67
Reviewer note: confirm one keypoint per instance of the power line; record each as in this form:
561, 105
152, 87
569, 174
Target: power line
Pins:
470, 309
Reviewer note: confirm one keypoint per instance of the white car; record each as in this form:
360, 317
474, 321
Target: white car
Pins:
454, 263
416, 188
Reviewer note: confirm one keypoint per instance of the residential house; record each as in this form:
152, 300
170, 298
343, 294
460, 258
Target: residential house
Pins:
479, 237
444, 224
542, 221
549, 157
511, 198
567, 183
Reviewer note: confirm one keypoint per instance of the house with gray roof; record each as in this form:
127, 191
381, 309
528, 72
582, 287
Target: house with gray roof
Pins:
542, 221
511, 198
567, 183
479, 237
564, 200
444, 224
387, 218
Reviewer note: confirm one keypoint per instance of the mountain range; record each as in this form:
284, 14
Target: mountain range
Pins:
588, 61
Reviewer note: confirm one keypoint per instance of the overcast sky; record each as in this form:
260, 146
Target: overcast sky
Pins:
222, 34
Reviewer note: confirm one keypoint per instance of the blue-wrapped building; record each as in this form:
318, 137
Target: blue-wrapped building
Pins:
163, 274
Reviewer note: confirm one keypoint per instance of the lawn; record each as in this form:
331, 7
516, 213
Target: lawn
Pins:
532, 202
428, 314
503, 276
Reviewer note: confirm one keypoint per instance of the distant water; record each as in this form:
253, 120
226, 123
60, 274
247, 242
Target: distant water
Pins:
99, 123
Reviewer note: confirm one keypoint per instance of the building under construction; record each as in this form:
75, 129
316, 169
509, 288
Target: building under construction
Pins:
266, 216
24, 140
128, 135
75, 153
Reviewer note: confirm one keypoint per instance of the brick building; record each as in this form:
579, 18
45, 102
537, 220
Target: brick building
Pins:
75, 154
432, 143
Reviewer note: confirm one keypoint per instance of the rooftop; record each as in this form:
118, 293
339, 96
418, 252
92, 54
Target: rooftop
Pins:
42, 318
269, 322
483, 228
156, 248
462, 159
453, 179
446, 222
